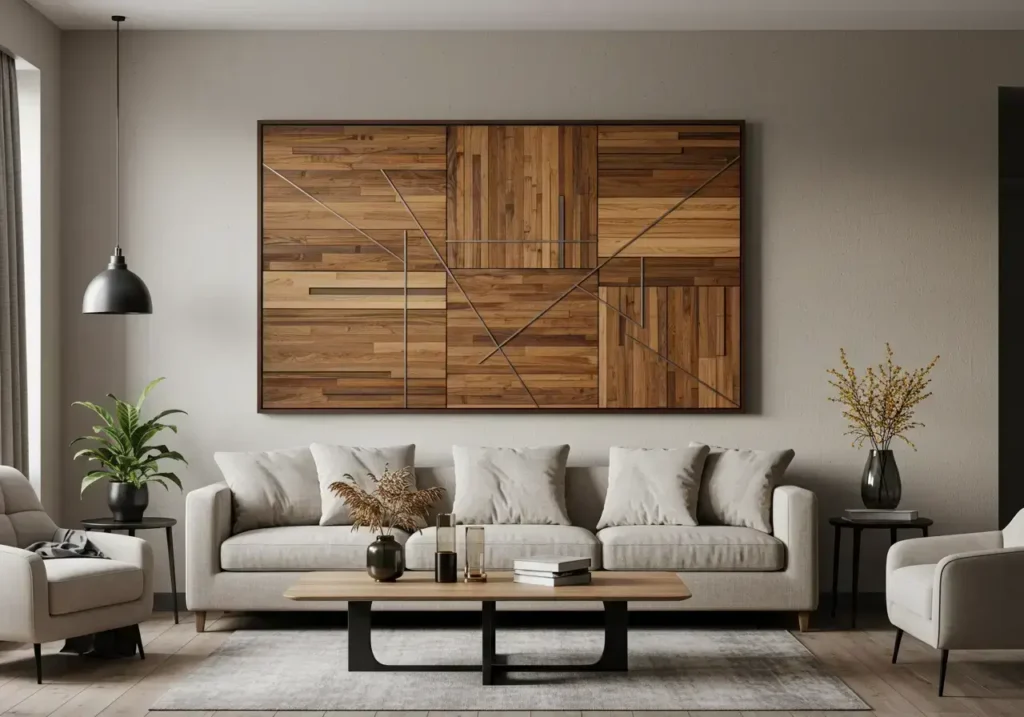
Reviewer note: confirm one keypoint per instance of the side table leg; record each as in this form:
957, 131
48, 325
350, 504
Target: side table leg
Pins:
174, 583
835, 569
924, 531
856, 573
892, 536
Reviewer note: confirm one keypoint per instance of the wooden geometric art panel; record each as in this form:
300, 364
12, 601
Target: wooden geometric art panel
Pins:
500, 266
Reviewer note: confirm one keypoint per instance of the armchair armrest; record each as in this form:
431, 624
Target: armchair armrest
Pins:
927, 551
795, 523
207, 525
127, 549
25, 596
977, 599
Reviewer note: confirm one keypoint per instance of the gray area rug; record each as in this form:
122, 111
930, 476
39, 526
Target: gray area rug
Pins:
669, 670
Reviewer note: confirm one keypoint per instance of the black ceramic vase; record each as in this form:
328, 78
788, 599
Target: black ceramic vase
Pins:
385, 559
127, 503
880, 486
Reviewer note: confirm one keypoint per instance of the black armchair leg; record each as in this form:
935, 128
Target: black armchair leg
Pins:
138, 642
942, 671
38, 649
896, 647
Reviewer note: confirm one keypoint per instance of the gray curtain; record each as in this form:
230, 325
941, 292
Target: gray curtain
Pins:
13, 400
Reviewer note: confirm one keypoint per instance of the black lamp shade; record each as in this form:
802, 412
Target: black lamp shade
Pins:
117, 291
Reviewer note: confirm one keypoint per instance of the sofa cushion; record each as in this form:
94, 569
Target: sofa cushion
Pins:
354, 464
78, 584
704, 548
653, 486
505, 543
524, 486
271, 488
911, 588
299, 547
736, 488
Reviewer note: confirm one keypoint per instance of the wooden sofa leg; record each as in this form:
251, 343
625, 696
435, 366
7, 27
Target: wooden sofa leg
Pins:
804, 618
896, 647
200, 620
942, 671
38, 649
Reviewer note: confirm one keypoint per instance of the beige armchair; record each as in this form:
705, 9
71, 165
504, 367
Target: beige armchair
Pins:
46, 600
959, 592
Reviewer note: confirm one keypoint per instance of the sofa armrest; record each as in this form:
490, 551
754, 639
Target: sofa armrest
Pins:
977, 598
207, 525
928, 551
795, 523
127, 549
25, 596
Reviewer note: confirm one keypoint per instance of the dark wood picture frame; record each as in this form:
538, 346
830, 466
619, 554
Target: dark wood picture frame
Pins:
737, 401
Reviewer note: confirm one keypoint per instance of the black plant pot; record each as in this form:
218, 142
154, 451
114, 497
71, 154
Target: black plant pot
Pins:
127, 503
385, 559
880, 486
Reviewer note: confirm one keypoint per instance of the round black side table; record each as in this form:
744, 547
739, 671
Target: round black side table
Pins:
859, 526
109, 524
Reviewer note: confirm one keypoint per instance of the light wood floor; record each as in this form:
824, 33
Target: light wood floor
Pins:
979, 684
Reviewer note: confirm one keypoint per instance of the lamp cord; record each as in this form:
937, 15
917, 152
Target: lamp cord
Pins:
117, 137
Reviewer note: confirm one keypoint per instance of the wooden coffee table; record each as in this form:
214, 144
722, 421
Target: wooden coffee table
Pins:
614, 589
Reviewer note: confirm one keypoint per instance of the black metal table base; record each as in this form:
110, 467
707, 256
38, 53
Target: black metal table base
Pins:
613, 658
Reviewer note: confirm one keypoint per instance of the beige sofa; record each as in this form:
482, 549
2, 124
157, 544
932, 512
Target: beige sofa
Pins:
726, 568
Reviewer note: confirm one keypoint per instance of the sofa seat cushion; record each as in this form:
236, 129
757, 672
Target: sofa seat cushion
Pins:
677, 547
79, 584
504, 544
911, 588
298, 548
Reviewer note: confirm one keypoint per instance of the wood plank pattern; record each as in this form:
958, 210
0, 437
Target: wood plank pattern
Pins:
569, 266
556, 356
522, 197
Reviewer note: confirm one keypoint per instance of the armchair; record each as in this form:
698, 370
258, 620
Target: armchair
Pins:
45, 600
959, 592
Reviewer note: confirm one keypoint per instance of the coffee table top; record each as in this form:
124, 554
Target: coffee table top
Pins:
610, 586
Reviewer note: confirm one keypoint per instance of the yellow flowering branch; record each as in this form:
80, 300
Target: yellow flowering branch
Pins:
880, 405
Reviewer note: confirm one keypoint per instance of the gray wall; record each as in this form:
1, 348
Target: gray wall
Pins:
29, 35
872, 199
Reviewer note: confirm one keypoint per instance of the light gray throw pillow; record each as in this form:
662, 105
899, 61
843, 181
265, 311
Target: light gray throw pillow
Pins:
333, 462
271, 488
737, 486
508, 486
653, 486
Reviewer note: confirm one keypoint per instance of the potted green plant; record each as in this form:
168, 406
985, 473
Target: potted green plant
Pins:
126, 456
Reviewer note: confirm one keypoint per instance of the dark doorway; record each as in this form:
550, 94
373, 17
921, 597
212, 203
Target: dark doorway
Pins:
1011, 291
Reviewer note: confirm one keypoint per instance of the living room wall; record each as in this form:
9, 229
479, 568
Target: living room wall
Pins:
872, 198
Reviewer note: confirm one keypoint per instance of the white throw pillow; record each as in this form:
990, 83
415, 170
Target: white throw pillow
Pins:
737, 486
653, 486
334, 462
271, 488
508, 486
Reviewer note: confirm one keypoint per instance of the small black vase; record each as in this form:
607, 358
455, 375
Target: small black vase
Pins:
880, 485
127, 503
385, 559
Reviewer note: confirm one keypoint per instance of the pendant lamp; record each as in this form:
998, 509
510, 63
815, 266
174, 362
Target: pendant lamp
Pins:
117, 290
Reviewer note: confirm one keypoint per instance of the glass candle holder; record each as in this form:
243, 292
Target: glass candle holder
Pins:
475, 555
446, 559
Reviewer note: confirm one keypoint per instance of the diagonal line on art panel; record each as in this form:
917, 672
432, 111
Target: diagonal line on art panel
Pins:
448, 271
338, 216
591, 272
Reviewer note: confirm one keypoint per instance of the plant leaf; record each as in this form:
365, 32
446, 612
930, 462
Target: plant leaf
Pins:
171, 477
145, 392
91, 477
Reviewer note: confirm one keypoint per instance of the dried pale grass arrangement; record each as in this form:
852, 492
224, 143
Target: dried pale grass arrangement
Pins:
392, 504
880, 404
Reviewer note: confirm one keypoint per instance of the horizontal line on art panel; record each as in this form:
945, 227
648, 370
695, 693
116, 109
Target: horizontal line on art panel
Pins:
521, 241
368, 291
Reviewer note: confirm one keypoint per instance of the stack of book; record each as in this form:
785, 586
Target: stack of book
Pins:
895, 516
552, 571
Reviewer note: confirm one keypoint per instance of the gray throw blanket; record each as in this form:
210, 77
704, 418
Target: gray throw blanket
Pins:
66, 544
